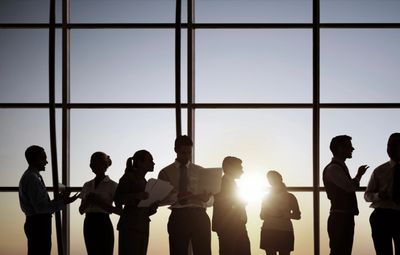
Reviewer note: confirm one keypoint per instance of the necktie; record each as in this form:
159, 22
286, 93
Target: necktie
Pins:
183, 181
44, 186
396, 184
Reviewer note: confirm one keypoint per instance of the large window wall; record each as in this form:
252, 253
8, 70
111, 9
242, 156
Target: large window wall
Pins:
268, 81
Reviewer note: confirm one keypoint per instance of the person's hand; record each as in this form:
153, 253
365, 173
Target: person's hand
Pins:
204, 197
67, 199
184, 196
153, 207
361, 170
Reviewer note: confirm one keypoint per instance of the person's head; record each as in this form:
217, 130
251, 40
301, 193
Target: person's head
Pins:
393, 147
183, 149
99, 162
232, 166
36, 157
142, 160
341, 146
274, 178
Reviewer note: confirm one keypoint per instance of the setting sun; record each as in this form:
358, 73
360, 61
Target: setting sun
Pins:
252, 187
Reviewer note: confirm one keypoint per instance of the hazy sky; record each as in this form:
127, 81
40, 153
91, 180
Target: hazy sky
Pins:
231, 66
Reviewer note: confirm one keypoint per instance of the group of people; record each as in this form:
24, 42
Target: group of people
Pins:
383, 191
189, 226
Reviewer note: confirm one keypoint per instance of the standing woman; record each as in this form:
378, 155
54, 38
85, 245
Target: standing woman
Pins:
133, 225
278, 208
97, 198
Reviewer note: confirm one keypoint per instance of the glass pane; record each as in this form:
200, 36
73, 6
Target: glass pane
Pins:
371, 11
257, 66
123, 11
12, 236
360, 66
363, 243
129, 66
253, 11
120, 133
370, 130
264, 139
19, 129
24, 66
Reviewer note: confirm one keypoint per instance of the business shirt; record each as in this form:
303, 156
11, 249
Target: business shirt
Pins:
335, 174
171, 174
381, 181
33, 197
105, 190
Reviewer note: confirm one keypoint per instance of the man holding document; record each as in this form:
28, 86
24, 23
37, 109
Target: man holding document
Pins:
188, 222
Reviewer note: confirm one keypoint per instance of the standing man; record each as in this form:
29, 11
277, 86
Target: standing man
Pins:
188, 222
36, 203
383, 191
340, 188
229, 214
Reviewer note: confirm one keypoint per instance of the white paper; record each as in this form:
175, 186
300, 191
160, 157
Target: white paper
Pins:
157, 189
209, 180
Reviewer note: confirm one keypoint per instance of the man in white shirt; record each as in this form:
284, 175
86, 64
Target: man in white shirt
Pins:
341, 191
383, 191
36, 203
188, 222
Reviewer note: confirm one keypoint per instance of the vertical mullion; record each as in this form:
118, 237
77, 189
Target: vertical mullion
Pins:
191, 73
178, 104
316, 123
66, 117
52, 119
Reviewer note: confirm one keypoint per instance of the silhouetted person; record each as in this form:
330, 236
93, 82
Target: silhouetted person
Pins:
229, 214
97, 199
188, 221
36, 204
383, 191
134, 223
278, 208
341, 191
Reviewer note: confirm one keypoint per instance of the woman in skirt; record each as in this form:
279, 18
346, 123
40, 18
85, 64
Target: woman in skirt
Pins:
278, 208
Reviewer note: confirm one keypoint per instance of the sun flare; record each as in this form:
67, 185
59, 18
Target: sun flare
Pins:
252, 188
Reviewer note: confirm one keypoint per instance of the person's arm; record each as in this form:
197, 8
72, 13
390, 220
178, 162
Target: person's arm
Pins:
372, 193
294, 208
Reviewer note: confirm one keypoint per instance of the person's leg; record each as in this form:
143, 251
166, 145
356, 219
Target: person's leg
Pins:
380, 226
200, 232
341, 232
178, 230
396, 232
38, 232
242, 242
271, 252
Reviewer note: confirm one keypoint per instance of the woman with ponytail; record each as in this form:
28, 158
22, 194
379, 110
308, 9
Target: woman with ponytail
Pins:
134, 223
97, 199
278, 208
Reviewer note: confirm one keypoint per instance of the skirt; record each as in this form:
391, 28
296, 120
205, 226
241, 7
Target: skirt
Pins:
279, 240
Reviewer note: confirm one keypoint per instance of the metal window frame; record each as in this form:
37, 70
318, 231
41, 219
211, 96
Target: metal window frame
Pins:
315, 26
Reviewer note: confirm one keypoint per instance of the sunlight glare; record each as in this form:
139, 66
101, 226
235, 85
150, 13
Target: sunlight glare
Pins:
252, 188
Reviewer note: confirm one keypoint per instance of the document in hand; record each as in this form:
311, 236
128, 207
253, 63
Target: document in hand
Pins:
157, 189
209, 180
